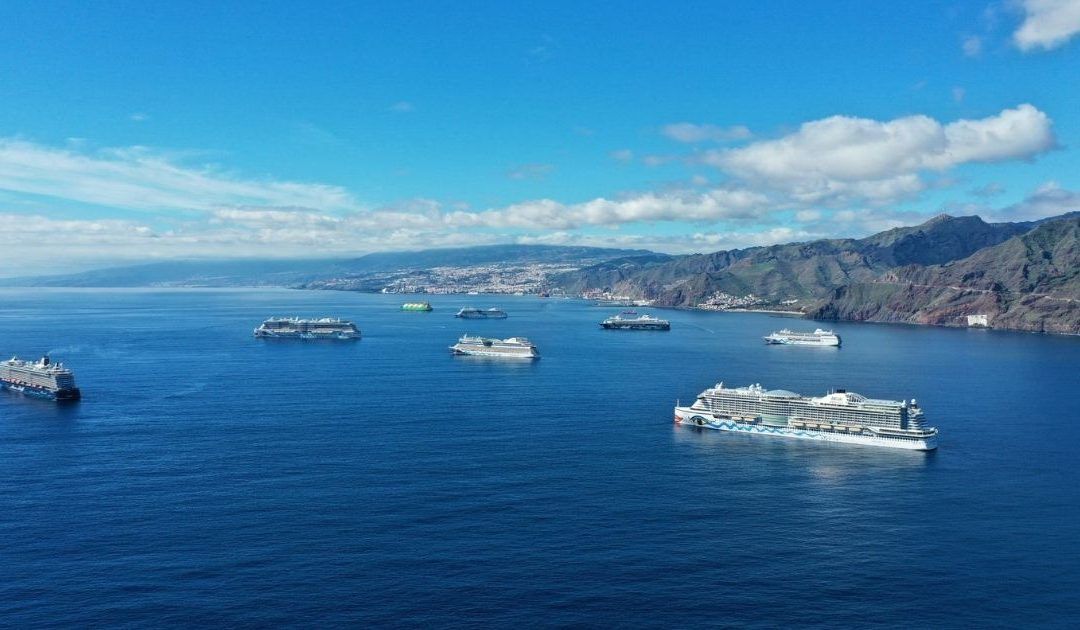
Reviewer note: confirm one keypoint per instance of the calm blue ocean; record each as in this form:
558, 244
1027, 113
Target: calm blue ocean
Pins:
211, 478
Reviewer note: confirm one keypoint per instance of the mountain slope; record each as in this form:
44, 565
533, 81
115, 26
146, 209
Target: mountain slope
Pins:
1029, 282
795, 270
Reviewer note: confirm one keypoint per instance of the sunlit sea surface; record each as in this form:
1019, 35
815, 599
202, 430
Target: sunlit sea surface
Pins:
211, 478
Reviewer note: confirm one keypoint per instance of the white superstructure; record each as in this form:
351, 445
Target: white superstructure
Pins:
299, 328
793, 338
512, 348
635, 322
839, 416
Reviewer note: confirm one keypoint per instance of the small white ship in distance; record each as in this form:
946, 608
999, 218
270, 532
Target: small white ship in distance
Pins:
839, 416
792, 338
470, 312
512, 348
297, 328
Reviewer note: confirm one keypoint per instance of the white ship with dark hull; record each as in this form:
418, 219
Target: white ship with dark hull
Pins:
512, 348
41, 379
475, 313
297, 328
630, 320
792, 338
839, 416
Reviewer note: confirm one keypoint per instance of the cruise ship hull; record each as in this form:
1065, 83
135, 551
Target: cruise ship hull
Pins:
471, 352
635, 326
58, 395
790, 342
263, 334
706, 420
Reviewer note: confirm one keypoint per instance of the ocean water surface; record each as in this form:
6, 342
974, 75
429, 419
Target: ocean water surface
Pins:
211, 478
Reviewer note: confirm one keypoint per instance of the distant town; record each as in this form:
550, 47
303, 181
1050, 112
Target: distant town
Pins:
721, 301
521, 279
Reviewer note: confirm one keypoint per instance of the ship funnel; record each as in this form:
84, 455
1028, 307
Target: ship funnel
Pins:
45, 360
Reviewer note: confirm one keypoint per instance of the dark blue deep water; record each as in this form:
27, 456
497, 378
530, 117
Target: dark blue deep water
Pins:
211, 478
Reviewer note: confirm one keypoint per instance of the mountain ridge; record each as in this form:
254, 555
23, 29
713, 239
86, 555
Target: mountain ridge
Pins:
847, 278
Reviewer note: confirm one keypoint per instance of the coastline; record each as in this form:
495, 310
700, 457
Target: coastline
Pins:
762, 310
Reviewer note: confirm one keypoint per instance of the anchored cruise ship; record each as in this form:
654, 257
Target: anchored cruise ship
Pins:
839, 416
475, 313
297, 328
512, 348
642, 322
817, 338
43, 379
422, 307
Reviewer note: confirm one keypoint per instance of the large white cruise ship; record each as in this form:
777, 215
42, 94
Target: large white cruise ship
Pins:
298, 328
43, 379
792, 338
512, 348
839, 416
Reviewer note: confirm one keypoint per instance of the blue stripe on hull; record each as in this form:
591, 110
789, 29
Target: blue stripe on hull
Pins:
700, 421
40, 392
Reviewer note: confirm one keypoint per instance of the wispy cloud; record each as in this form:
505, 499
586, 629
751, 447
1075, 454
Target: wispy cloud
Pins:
544, 50
138, 178
993, 189
972, 46
310, 133
622, 155
691, 133
530, 171
658, 160
402, 107
1048, 200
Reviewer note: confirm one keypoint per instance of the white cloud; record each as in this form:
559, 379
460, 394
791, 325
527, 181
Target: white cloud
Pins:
139, 117
972, 46
1047, 24
841, 158
402, 107
691, 133
857, 223
140, 179
622, 155
712, 205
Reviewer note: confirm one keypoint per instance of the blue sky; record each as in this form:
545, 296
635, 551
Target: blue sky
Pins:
144, 131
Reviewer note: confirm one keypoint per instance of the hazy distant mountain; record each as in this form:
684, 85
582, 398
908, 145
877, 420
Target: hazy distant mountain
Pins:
288, 273
848, 278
